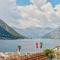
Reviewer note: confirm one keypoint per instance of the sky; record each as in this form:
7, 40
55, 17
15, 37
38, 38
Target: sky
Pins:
54, 2
23, 2
26, 2
30, 13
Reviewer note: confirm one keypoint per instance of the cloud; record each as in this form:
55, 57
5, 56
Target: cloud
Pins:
28, 23
34, 17
8, 11
40, 13
47, 7
39, 3
57, 9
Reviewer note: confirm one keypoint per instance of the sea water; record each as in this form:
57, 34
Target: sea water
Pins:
27, 45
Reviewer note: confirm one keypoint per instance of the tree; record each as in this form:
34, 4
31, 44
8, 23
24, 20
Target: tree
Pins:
49, 53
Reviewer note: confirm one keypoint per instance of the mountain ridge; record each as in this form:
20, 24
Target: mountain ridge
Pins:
6, 30
34, 32
55, 34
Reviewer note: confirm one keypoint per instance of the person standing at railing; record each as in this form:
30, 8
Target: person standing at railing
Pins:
18, 49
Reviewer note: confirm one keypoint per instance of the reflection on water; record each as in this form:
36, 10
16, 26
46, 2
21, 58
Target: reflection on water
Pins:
28, 45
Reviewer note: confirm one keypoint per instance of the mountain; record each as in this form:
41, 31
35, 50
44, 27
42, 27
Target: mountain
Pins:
34, 32
6, 32
55, 34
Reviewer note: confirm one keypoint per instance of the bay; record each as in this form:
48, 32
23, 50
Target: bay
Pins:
27, 45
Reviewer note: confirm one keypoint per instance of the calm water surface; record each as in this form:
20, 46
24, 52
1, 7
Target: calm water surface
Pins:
28, 45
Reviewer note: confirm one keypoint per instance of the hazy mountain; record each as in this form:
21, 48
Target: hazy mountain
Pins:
34, 32
6, 32
55, 34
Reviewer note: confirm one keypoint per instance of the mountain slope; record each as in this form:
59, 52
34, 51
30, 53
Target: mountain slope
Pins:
55, 34
6, 32
34, 32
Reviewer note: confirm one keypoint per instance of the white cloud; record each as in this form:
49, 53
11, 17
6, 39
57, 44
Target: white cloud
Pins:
28, 10
57, 9
31, 15
47, 7
39, 3
28, 23
41, 11
39, 14
8, 11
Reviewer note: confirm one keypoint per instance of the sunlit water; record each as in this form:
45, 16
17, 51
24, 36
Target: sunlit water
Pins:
28, 45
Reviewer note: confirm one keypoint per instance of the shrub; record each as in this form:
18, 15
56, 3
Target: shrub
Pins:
49, 53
